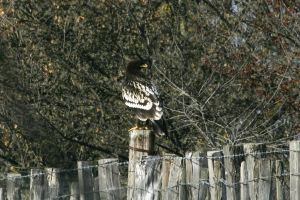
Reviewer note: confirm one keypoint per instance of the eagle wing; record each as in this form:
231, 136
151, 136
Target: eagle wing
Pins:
144, 97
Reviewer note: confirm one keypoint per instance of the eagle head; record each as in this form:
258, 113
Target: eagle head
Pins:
135, 66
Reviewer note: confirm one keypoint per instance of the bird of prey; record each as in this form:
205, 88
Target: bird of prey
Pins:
142, 97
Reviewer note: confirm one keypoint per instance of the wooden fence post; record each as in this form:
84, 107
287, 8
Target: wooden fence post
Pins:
14, 186
148, 178
141, 143
86, 180
1, 194
183, 195
109, 179
279, 189
216, 174
233, 157
295, 170
196, 175
253, 152
166, 165
244, 182
74, 191
37, 186
265, 168
173, 178
52, 185
96, 191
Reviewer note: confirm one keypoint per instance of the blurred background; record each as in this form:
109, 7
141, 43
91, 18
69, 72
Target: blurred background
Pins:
228, 72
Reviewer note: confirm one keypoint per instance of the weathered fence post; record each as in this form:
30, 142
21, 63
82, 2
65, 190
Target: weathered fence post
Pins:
37, 186
166, 164
173, 178
265, 168
216, 174
1, 194
279, 189
244, 182
14, 186
253, 152
183, 195
295, 170
141, 143
52, 185
86, 180
196, 175
233, 157
109, 179
74, 191
148, 179
96, 190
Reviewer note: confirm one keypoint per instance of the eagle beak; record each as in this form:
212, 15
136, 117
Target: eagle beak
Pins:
144, 66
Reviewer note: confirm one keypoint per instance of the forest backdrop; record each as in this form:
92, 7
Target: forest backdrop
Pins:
228, 72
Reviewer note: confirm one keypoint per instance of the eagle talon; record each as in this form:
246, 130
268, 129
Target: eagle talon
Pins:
134, 128
141, 128
148, 128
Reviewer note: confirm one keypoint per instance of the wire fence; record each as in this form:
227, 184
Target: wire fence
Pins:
212, 175
125, 163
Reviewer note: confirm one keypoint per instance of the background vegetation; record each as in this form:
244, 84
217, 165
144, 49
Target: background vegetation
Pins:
228, 72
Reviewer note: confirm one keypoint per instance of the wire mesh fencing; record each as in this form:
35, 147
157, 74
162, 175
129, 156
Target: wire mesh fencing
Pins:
249, 171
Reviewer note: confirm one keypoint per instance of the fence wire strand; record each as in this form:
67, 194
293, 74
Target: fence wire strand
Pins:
150, 162
155, 158
175, 188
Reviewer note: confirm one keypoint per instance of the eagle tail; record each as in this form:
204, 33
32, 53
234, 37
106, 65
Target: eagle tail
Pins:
160, 126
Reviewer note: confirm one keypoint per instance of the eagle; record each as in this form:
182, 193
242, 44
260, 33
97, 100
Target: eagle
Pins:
142, 97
